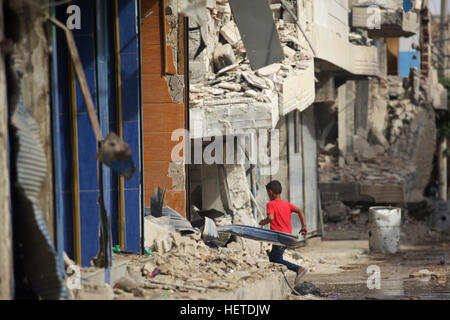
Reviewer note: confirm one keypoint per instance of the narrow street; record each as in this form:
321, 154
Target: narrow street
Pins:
224, 150
340, 266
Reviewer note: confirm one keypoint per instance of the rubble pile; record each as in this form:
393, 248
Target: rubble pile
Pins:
389, 151
381, 169
191, 265
233, 81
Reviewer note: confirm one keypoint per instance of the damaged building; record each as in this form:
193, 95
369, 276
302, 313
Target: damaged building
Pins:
208, 101
380, 148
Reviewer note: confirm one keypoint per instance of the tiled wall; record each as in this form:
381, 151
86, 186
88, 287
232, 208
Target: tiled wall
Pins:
161, 116
129, 74
95, 61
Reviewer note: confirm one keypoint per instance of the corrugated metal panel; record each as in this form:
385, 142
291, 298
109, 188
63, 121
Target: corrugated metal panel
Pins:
41, 265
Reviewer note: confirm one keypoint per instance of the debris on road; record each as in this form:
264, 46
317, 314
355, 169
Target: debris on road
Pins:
305, 288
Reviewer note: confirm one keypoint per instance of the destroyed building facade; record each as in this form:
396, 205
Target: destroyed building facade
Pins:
383, 147
331, 106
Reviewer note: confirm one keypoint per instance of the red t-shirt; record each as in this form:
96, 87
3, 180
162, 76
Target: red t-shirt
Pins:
281, 211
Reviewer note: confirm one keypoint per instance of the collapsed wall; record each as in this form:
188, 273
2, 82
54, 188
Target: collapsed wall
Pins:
399, 144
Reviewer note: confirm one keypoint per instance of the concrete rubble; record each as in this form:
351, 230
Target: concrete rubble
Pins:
191, 266
231, 96
398, 144
180, 264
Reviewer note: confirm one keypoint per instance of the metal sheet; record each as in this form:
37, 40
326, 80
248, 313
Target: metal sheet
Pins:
260, 234
257, 28
39, 260
180, 223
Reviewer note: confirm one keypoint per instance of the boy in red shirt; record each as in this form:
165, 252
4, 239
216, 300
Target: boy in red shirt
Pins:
279, 217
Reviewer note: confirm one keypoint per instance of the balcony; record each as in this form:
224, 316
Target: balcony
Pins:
393, 22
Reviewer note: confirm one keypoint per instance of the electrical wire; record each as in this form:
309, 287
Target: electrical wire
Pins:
290, 286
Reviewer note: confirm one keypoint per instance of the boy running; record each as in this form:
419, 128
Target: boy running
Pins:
279, 217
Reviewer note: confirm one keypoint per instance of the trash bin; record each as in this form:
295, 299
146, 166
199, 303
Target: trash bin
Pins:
384, 229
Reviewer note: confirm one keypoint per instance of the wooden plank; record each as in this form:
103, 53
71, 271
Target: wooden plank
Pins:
6, 259
76, 215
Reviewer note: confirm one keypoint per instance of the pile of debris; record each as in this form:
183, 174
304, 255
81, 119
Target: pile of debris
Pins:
188, 264
234, 82
382, 169
398, 145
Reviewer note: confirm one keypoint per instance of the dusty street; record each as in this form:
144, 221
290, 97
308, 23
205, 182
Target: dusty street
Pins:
340, 266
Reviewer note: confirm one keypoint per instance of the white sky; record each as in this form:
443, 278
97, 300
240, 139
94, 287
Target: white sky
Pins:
435, 7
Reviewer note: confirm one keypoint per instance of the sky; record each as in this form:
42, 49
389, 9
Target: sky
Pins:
435, 7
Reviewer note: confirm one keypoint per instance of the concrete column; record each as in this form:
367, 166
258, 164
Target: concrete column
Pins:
382, 58
346, 120
361, 105
6, 269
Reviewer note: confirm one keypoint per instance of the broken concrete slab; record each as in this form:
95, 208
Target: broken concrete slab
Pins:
269, 70
290, 97
289, 52
254, 80
231, 33
229, 86
223, 56
157, 234
335, 211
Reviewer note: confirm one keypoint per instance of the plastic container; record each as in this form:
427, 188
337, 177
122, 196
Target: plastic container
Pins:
384, 229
